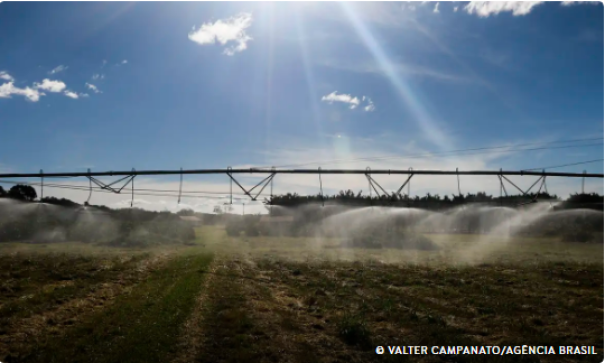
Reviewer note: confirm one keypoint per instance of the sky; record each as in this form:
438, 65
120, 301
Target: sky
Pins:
118, 85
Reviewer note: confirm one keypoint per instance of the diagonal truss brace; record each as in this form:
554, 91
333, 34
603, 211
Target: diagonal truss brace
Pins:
374, 184
541, 180
263, 182
129, 179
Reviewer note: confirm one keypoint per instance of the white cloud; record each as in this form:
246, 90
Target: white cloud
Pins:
486, 8
92, 87
98, 76
5, 76
334, 97
33, 94
232, 29
58, 69
8, 89
123, 62
370, 106
50, 85
455, 9
353, 101
71, 94
408, 5
83, 94
104, 63
412, 6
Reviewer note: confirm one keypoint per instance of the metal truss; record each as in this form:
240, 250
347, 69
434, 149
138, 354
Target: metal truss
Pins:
525, 193
268, 180
373, 184
128, 178
301, 171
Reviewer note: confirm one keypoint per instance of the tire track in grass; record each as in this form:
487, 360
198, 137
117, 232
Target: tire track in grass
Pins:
231, 332
29, 323
247, 322
45, 284
295, 335
192, 334
141, 326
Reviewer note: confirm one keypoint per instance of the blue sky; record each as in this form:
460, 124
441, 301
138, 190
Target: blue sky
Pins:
202, 85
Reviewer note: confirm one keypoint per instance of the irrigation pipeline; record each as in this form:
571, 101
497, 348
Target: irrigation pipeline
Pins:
127, 177
302, 171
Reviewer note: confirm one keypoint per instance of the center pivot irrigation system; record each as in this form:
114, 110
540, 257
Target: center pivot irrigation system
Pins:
127, 177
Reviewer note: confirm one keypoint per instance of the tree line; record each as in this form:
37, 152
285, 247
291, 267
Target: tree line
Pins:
431, 201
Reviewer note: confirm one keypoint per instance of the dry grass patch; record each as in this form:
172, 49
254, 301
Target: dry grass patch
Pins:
49, 293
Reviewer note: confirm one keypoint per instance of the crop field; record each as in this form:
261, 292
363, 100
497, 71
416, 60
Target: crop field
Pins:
287, 299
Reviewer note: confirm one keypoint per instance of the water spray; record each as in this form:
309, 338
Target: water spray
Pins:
180, 188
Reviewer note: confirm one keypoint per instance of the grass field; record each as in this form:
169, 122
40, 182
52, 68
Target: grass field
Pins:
276, 299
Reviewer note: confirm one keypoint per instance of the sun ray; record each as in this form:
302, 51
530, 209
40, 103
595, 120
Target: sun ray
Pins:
448, 52
309, 76
407, 95
268, 90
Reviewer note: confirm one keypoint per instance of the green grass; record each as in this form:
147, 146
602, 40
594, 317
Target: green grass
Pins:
271, 299
229, 326
35, 282
455, 249
232, 334
551, 303
354, 331
142, 326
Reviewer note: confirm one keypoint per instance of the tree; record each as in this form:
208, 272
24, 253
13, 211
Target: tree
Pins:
218, 209
63, 202
185, 212
23, 192
2, 191
429, 201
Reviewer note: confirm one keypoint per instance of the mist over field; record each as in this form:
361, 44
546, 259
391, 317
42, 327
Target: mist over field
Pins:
336, 268
340, 224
